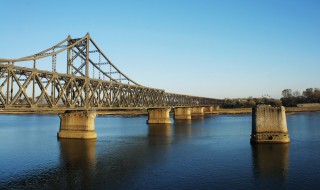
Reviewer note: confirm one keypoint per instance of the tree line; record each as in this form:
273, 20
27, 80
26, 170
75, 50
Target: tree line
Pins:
289, 99
249, 102
292, 98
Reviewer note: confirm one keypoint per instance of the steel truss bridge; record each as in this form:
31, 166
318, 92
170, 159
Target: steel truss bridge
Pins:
91, 81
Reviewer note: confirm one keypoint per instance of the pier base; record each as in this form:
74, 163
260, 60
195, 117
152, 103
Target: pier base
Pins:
215, 109
77, 125
197, 111
269, 125
182, 113
158, 115
208, 109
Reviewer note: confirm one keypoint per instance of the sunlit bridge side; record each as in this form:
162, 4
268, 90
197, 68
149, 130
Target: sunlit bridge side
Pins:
76, 75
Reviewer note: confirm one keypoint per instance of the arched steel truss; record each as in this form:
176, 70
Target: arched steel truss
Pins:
28, 88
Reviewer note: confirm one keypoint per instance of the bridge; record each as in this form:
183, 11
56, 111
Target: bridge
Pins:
85, 81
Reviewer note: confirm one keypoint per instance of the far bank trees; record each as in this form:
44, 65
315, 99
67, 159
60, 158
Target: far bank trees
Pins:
291, 99
249, 102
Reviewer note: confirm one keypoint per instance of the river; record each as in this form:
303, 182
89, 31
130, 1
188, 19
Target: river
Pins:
206, 153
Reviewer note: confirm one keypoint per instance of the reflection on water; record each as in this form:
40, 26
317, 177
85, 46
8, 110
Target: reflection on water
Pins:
182, 122
198, 117
210, 153
77, 152
78, 159
159, 130
271, 161
182, 129
159, 134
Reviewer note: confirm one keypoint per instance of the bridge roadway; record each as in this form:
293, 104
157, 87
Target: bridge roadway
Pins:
79, 93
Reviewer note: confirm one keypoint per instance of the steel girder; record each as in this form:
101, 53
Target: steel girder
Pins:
19, 86
28, 88
181, 100
31, 89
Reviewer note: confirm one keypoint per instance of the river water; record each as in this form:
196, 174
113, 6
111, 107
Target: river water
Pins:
209, 153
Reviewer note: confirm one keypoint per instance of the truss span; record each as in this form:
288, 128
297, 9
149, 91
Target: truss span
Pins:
83, 55
28, 88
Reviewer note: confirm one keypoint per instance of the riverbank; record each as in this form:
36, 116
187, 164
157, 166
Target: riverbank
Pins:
288, 110
302, 109
235, 111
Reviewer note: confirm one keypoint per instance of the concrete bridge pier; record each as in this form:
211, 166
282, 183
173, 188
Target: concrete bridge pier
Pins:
158, 115
215, 109
197, 112
77, 125
208, 109
269, 125
182, 113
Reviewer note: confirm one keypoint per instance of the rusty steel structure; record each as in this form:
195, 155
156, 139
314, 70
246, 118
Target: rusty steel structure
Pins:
91, 81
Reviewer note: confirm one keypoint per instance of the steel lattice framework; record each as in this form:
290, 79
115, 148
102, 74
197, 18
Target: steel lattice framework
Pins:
27, 88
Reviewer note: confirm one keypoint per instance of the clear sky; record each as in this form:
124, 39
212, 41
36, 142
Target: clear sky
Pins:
219, 49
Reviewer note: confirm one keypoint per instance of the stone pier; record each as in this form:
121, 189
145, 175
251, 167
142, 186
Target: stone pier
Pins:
216, 108
208, 109
158, 115
269, 125
182, 113
197, 111
77, 125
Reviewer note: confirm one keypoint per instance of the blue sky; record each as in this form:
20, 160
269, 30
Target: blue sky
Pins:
219, 49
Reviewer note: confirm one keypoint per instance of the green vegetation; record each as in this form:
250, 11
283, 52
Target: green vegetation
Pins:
249, 102
291, 99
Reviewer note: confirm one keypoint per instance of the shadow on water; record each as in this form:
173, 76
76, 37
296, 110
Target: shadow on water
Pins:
270, 162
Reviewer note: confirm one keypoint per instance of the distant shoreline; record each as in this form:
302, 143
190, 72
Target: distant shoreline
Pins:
288, 110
